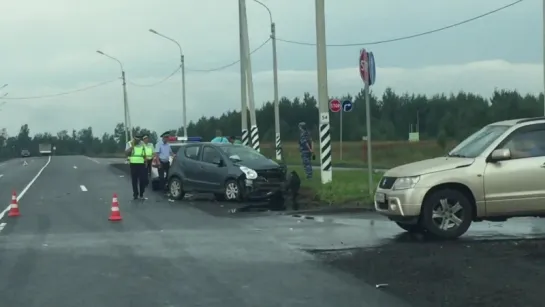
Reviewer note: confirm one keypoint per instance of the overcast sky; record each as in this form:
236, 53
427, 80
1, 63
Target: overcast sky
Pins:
49, 47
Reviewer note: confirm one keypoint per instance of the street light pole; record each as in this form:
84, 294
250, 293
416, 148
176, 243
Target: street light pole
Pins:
128, 127
182, 68
275, 78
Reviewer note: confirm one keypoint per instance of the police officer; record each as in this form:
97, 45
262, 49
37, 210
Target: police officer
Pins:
163, 152
136, 153
148, 148
306, 149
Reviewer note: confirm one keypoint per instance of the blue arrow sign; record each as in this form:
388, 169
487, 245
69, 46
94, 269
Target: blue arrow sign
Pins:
347, 106
372, 68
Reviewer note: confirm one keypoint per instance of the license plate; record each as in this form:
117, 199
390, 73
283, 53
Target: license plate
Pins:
380, 197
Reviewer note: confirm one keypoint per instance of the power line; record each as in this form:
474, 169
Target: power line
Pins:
408, 36
199, 70
158, 82
135, 84
62, 93
233, 63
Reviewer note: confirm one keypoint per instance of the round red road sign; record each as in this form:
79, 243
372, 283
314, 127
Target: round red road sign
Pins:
335, 105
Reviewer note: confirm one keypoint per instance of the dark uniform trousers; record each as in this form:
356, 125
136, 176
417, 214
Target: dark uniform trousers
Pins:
148, 168
163, 174
139, 178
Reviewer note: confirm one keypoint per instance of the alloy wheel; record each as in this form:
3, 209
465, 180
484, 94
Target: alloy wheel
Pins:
175, 188
231, 191
448, 214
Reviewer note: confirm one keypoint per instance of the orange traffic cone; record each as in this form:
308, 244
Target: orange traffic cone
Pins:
14, 206
115, 215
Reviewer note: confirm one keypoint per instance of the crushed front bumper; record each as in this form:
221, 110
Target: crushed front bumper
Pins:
261, 188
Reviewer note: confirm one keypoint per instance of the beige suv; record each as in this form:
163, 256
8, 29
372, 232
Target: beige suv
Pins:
495, 174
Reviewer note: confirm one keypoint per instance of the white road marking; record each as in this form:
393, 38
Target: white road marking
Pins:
93, 160
23, 192
83, 188
2, 225
75, 167
1, 175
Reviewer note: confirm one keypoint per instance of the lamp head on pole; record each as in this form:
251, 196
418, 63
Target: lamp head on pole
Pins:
153, 31
98, 51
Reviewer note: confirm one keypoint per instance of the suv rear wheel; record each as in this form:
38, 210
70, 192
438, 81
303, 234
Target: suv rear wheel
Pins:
447, 213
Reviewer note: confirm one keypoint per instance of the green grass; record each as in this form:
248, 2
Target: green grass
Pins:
349, 188
384, 154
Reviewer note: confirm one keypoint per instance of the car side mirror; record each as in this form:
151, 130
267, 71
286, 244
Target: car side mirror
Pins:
500, 155
217, 161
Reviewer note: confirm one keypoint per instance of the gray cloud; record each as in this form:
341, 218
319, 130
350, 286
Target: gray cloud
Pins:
50, 47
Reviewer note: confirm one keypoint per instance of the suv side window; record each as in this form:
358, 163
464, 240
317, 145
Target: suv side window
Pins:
526, 142
192, 152
209, 154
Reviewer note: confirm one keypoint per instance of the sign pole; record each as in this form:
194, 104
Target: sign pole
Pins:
368, 75
368, 126
341, 136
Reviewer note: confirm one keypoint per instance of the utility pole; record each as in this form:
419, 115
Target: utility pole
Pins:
182, 68
128, 127
275, 77
543, 38
323, 97
276, 102
254, 132
243, 90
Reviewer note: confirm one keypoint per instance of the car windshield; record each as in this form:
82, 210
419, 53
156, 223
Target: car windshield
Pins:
242, 153
476, 143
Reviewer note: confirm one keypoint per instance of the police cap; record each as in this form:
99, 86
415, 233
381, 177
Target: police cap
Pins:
165, 134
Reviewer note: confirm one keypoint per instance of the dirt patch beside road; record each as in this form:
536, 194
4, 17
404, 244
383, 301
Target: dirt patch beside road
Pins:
452, 274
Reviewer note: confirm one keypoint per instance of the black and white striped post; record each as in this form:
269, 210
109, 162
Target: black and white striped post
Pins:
278, 147
325, 149
245, 137
254, 135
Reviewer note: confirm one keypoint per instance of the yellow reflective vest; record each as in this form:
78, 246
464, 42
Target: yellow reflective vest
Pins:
137, 155
148, 149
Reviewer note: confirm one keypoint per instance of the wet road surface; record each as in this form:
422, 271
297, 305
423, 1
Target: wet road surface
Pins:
63, 252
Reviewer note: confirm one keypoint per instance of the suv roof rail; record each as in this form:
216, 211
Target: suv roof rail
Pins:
531, 119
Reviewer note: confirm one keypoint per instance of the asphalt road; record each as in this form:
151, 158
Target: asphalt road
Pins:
63, 252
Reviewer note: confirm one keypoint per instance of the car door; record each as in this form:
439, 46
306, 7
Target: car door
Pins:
517, 186
212, 172
188, 159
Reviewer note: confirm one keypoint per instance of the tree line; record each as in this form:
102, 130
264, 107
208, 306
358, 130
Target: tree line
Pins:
442, 117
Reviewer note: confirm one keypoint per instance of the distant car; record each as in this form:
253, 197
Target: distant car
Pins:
230, 172
25, 153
